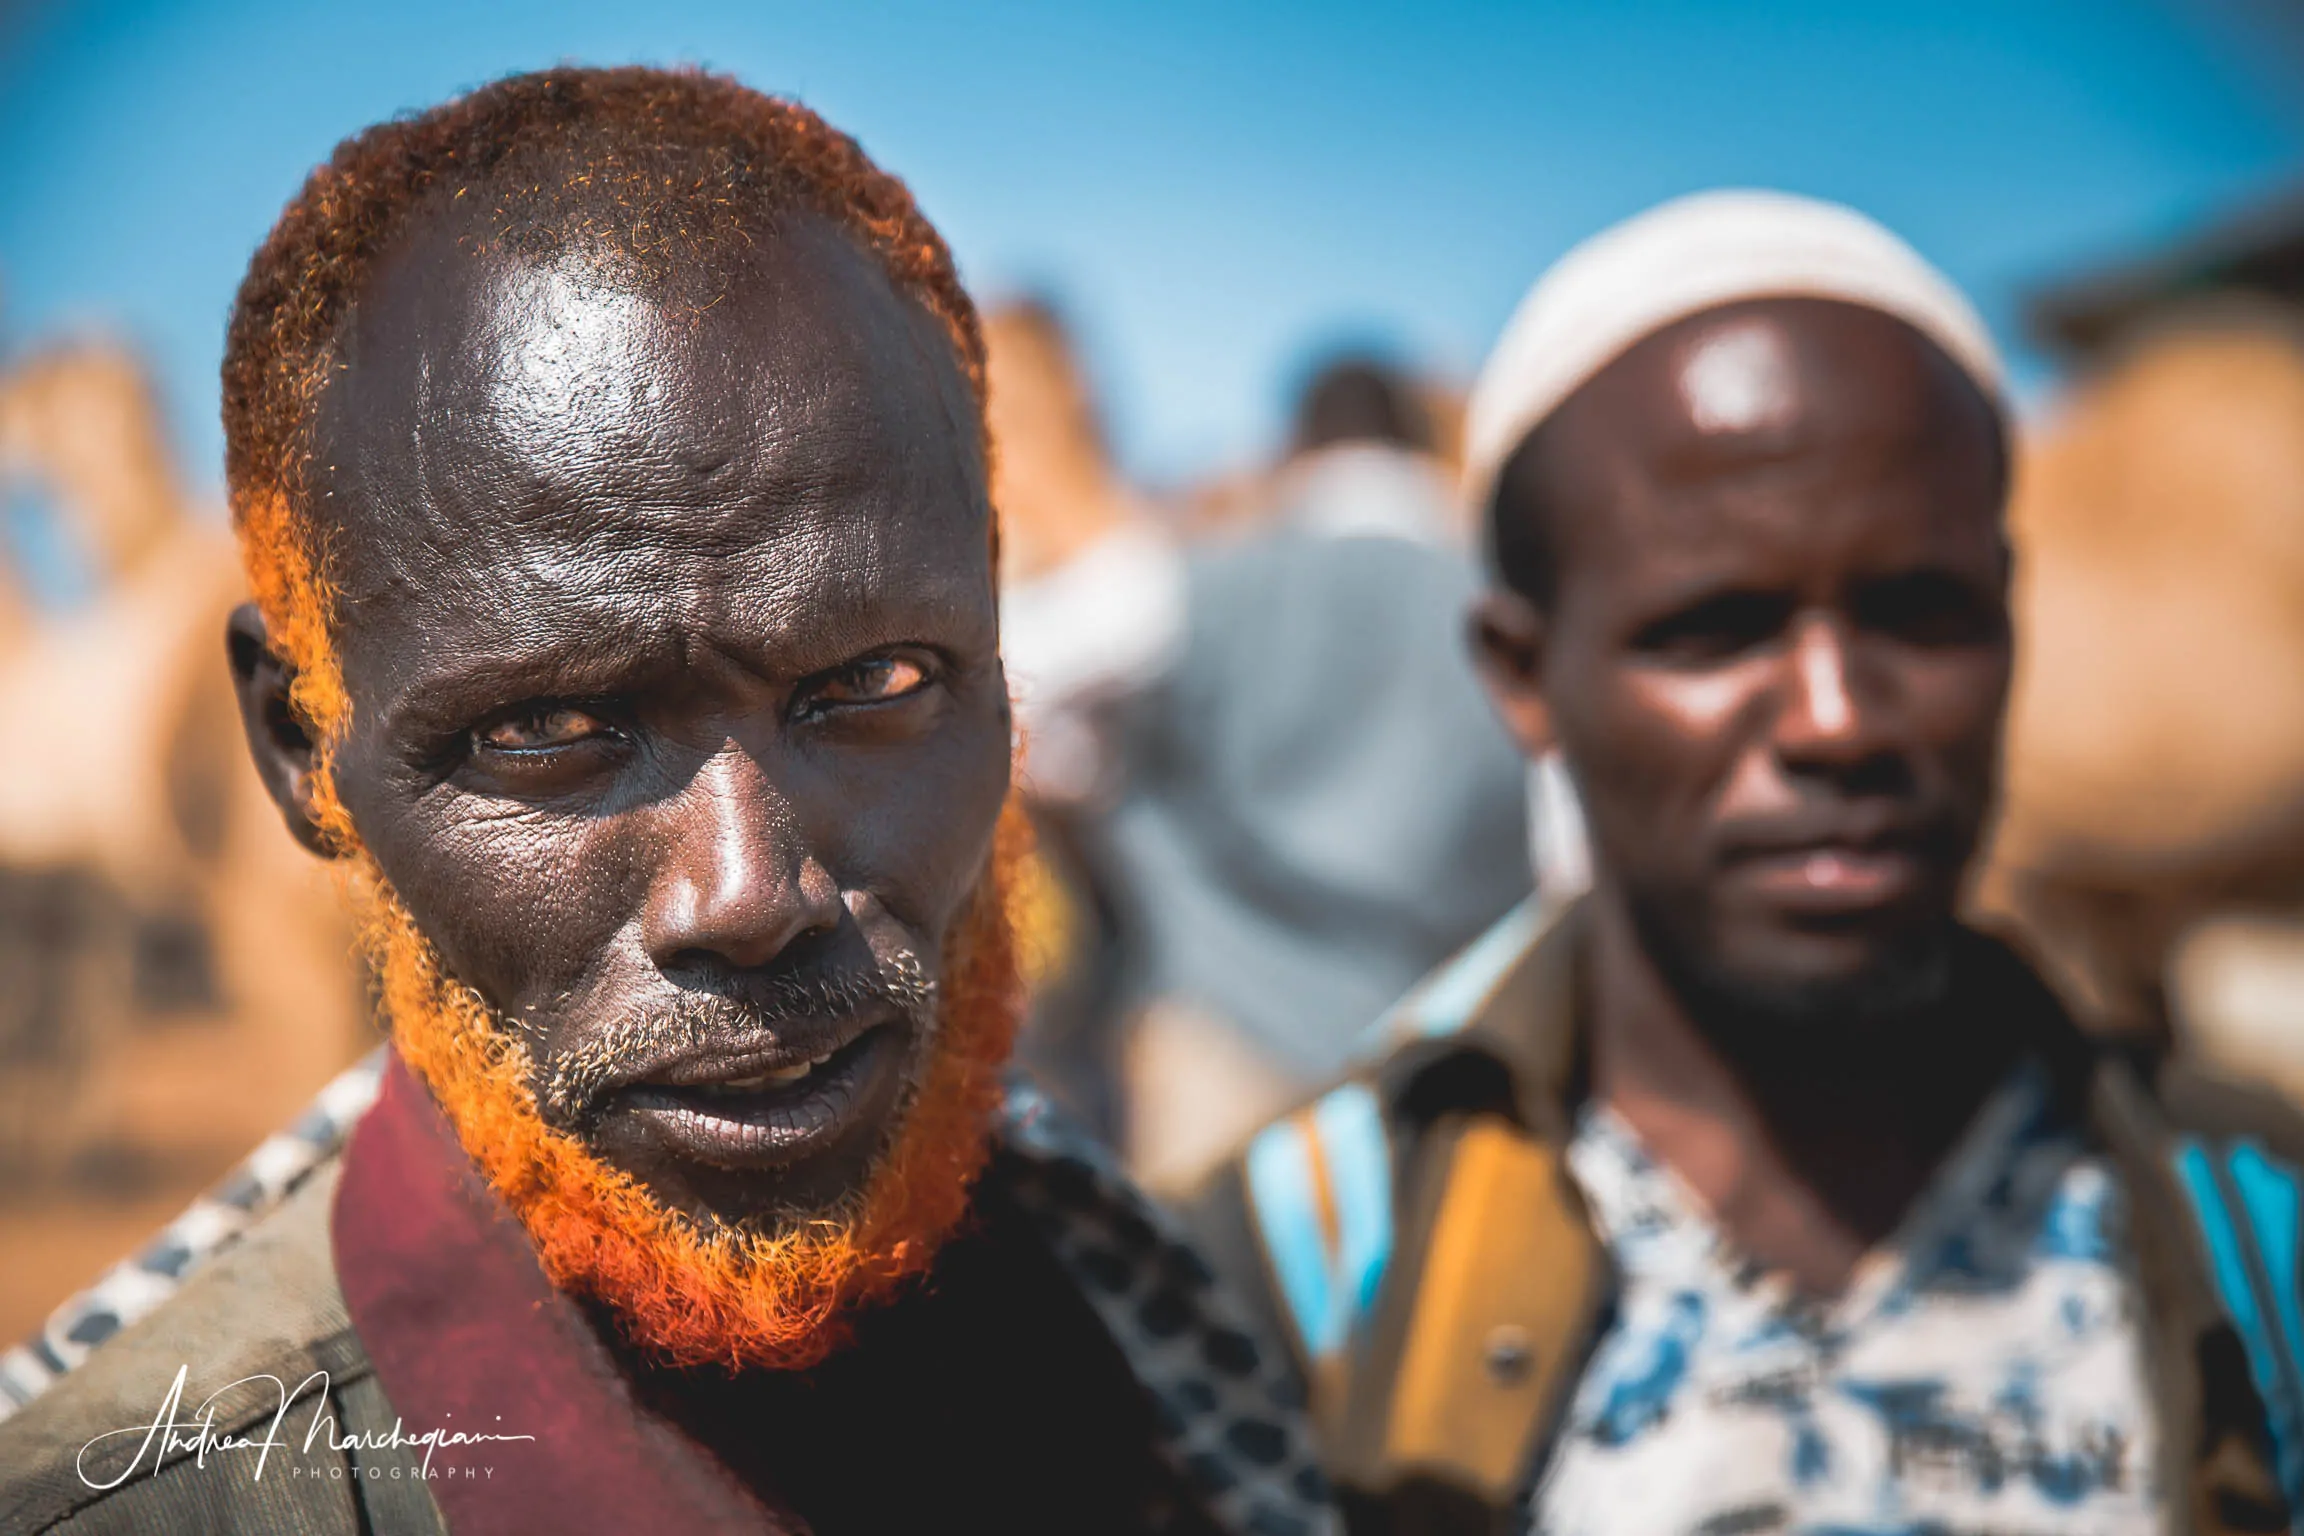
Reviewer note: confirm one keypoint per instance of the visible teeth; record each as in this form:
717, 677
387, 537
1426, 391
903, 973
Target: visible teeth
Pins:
774, 1077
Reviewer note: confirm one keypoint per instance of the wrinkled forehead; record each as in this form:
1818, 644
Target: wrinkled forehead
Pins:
493, 414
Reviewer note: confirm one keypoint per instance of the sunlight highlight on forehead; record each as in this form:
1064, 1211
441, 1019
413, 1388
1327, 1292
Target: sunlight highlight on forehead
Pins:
583, 345
1740, 379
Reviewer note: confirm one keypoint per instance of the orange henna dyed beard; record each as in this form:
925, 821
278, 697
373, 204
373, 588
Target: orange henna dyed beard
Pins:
779, 1301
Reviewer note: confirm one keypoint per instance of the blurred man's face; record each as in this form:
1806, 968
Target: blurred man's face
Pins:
678, 724
1777, 651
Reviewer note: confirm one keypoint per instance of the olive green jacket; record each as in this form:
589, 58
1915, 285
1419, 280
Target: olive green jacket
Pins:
263, 1326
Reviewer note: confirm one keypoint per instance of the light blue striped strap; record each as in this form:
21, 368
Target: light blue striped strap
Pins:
1351, 1127
2264, 1226
1328, 1284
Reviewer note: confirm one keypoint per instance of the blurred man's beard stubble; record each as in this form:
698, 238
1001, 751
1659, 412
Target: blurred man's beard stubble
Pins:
780, 1300
1816, 1026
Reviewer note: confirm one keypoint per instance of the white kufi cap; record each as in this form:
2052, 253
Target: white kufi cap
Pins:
1678, 259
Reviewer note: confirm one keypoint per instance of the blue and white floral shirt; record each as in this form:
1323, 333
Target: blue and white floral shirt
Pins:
1983, 1372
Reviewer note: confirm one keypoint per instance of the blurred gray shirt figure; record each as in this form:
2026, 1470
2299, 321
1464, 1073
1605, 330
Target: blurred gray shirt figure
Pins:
1307, 802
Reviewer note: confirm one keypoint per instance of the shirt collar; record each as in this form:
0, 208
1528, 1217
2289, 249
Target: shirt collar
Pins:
1978, 1211
1497, 1028
1501, 1026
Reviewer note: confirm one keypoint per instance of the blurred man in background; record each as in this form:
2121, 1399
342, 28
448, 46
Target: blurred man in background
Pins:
1060, 497
1302, 799
1363, 460
1756, 1193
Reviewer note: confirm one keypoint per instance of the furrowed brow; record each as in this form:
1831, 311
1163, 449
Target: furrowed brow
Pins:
447, 691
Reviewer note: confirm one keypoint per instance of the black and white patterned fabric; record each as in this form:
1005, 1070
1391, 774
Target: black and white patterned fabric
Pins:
1228, 1406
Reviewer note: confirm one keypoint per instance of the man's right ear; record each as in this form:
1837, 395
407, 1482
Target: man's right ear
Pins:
1508, 638
278, 738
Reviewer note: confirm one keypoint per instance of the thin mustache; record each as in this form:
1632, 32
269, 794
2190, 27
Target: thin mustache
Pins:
1792, 835
695, 1021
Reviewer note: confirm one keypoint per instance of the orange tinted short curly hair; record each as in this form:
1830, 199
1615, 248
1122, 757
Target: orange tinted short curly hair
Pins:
646, 167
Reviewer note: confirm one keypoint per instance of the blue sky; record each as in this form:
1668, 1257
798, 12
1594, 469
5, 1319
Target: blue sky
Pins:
1213, 191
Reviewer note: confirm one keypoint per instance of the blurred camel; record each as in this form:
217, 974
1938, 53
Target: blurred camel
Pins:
1052, 475
2156, 735
175, 979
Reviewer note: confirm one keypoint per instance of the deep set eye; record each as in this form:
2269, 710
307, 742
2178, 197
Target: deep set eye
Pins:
1715, 629
543, 728
874, 680
1929, 608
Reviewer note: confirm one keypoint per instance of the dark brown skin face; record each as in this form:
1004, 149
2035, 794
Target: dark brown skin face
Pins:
678, 717
1776, 654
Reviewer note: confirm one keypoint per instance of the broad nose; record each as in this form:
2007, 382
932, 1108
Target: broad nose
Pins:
738, 884
1823, 720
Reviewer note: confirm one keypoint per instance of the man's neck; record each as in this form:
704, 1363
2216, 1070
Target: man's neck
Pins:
1803, 1171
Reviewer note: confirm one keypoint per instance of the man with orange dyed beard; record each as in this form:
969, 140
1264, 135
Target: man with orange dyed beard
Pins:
607, 454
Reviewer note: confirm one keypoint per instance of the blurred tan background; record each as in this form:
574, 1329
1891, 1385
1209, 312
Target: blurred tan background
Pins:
2152, 843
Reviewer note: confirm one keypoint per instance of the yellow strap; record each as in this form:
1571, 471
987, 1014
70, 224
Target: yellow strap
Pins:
1503, 1294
